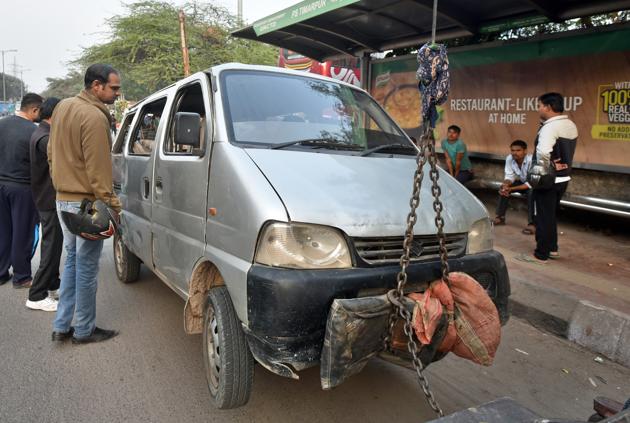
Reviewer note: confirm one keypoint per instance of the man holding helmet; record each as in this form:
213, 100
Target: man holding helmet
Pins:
81, 170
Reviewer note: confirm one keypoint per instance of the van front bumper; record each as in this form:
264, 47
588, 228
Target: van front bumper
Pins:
288, 308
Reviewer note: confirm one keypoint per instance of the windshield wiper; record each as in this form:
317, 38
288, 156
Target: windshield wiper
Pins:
386, 147
319, 142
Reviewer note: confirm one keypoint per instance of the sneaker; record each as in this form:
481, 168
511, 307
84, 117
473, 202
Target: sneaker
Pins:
54, 294
554, 255
23, 284
98, 335
47, 304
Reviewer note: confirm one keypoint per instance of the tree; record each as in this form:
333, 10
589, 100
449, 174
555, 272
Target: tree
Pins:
12, 87
145, 45
68, 86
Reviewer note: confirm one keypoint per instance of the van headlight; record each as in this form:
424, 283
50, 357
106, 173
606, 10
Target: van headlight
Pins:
302, 246
480, 237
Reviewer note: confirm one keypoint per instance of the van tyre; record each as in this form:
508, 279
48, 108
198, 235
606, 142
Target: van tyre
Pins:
229, 363
126, 263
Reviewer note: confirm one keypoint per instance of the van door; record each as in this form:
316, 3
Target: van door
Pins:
179, 189
139, 158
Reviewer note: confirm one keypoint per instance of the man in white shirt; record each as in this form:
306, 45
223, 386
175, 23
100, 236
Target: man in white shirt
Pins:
516, 167
555, 143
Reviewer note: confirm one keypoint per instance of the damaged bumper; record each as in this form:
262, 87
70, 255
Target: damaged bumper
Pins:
288, 308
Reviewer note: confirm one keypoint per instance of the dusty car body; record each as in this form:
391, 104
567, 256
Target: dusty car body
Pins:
260, 195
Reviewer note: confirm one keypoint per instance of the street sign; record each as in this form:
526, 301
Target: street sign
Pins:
297, 13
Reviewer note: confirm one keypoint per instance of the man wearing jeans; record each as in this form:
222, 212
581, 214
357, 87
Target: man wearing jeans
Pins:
81, 167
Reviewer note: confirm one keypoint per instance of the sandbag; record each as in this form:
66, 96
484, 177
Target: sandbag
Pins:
474, 330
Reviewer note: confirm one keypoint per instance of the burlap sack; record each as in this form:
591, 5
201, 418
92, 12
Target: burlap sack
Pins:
475, 329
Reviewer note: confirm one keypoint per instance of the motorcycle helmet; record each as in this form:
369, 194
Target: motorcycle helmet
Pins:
95, 221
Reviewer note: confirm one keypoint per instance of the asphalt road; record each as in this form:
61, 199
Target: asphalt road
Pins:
153, 372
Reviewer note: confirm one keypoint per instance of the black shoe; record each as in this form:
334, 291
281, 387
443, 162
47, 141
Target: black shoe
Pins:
23, 284
6, 278
62, 336
99, 335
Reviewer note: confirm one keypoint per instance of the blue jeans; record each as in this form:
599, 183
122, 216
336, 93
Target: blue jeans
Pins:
77, 292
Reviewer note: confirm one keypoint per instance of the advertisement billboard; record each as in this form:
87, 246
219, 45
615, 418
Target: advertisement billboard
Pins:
494, 91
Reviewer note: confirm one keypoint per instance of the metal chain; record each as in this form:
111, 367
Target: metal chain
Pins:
438, 208
425, 147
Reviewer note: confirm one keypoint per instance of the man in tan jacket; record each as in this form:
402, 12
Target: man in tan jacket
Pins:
81, 167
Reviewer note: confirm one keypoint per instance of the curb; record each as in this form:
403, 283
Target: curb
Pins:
596, 327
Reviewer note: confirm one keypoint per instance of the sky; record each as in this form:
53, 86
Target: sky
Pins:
49, 34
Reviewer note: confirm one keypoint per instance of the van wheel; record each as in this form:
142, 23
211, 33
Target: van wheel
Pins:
126, 263
229, 363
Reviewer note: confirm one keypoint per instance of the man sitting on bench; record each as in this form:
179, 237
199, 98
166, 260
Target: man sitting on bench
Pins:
516, 166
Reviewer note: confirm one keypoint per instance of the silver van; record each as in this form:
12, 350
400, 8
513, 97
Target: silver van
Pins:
260, 195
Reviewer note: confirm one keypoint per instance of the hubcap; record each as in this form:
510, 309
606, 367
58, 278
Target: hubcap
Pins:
213, 357
118, 255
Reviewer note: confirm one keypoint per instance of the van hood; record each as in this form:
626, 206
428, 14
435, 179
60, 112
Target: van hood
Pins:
362, 196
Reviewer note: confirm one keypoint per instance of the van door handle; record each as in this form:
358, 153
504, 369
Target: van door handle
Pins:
158, 185
146, 184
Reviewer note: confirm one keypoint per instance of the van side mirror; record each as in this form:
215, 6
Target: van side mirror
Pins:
187, 127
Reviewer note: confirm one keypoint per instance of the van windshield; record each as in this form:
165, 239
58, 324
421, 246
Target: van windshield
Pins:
272, 110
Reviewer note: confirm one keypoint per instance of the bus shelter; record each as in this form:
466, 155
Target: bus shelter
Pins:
494, 85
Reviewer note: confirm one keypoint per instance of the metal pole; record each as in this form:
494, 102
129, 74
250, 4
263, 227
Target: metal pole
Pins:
4, 86
239, 12
22, 87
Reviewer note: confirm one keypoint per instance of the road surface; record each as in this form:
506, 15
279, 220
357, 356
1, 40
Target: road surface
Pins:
153, 372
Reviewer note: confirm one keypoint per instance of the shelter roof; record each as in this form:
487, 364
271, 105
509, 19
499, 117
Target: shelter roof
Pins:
324, 29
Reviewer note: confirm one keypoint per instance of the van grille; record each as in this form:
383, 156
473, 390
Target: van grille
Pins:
387, 250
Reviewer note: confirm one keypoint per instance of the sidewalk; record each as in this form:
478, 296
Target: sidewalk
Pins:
585, 294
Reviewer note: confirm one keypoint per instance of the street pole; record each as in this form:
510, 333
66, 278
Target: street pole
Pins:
182, 33
4, 86
22, 81
239, 12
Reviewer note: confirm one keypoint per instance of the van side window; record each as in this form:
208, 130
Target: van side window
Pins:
189, 99
142, 139
123, 132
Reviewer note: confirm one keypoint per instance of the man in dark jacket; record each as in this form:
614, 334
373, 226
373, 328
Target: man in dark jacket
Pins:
43, 293
18, 215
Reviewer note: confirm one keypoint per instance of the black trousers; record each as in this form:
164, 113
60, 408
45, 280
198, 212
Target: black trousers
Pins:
464, 176
18, 218
47, 276
503, 203
546, 202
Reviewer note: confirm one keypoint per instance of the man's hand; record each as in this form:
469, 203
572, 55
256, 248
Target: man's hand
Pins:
504, 190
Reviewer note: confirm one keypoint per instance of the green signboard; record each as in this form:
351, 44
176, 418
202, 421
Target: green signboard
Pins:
297, 13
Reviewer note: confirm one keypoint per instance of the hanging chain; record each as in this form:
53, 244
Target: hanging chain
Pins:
438, 208
426, 149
